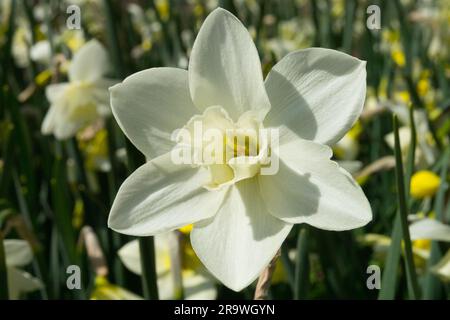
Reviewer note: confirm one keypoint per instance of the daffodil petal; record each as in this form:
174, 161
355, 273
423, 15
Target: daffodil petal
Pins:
21, 282
57, 121
224, 68
18, 252
54, 91
50, 121
429, 229
160, 196
316, 94
90, 63
41, 51
242, 238
442, 269
310, 188
130, 256
150, 105
405, 138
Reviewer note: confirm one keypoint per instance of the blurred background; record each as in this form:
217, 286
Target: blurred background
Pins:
55, 194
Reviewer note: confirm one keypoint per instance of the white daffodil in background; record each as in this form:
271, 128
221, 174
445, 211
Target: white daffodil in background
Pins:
197, 284
431, 229
241, 218
18, 254
82, 100
41, 52
425, 151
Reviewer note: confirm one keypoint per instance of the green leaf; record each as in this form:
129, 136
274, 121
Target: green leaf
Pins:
61, 208
390, 273
413, 285
147, 251
389, 282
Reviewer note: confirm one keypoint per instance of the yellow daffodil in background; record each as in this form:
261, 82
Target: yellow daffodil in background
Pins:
95, 149
73, 39
18, 254
392, 44
197, 283
104, 290
347, 149
381, 244
82, 100
424, 184
398, 56
163, 8
241, 217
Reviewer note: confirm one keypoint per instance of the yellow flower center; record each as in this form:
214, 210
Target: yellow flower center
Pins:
424, 184
232, 151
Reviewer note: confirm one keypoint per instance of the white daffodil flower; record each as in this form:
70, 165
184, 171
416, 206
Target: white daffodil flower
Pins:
429, 229
82, 100
433, 230
18, 254
425, 151
442, 269
241, 217
41, 52
196, 284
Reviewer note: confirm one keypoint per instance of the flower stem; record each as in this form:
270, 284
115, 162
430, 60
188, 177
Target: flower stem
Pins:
389, 281
147, 251
401, 193
113, 39
301, 265
263, 285
411, 151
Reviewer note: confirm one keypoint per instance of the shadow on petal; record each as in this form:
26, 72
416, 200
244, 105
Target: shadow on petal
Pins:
301, 110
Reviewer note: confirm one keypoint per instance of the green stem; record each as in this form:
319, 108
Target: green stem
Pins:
401, 193
62, 214
288, 266
6, 54
74, 149
302, 265
147, 252
113, 39
411, 151
389, 281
